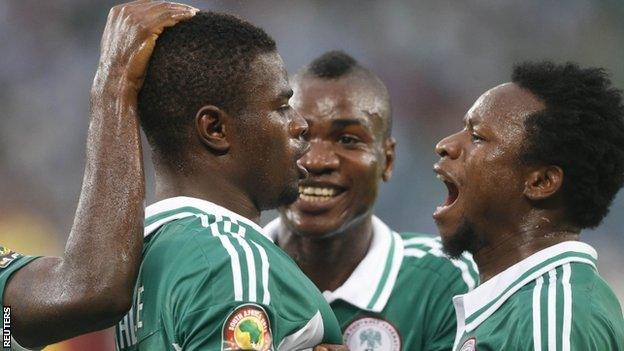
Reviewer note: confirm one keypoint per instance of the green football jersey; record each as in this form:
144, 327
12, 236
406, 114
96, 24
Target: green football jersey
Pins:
553, 300
400, 295
210, 280
10, 262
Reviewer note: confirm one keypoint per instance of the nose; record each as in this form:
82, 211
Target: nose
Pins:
298, 126
449, 147
320, 158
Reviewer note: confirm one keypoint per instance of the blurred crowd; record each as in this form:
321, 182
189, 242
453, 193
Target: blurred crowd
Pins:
436, 57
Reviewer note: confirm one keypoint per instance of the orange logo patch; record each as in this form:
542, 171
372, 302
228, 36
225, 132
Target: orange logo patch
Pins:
7, 256
247, 328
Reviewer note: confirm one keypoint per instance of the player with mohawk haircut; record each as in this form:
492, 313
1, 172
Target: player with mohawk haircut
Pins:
390, 291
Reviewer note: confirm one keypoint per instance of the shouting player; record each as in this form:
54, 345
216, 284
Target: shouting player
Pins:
225, 143
90, 287
389, 291
538, 160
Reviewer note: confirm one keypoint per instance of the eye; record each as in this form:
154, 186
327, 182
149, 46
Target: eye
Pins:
475, 137
348, 139
284, 108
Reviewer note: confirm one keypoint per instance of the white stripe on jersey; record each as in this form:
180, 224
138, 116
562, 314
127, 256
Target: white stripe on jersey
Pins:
150, 228
266, 298
436, 250
305, 338
392, 274
235, 262
251, 267
537, 314
414, 252
567, 308
552, 310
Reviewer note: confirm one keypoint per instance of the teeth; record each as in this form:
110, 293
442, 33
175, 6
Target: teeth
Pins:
311, 193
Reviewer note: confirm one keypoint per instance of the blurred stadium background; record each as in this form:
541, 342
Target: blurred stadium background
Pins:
435, 56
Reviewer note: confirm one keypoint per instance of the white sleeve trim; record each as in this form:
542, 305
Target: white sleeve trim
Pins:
17, 347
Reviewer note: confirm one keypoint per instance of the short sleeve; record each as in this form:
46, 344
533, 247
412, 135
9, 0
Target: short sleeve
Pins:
442, 318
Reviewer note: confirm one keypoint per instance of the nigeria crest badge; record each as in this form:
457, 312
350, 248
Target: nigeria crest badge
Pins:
371, 334
247, 328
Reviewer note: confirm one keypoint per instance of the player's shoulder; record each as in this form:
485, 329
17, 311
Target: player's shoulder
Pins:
424, 252
198, 239
592, 297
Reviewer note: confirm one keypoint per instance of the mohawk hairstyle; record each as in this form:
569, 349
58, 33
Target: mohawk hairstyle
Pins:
332, 65
581, 130
338, 64
204, 60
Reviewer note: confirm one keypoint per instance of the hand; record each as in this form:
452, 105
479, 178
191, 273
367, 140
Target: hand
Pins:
129, 39
327, 347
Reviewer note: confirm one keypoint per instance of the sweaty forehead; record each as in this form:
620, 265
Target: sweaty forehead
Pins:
348, 97
268, 77
507, 104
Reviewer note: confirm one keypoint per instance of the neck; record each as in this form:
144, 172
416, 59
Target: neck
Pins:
207, 186
330, 261
515, 246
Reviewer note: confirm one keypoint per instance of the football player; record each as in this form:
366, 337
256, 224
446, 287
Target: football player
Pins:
225, 142
538, 160
390, 291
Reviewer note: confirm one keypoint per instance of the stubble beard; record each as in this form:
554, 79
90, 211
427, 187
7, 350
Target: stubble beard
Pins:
465, 239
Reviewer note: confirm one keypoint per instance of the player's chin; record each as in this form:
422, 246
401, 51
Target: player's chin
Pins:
289, 194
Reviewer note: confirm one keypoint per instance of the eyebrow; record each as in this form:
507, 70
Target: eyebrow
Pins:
470, 121
345, 122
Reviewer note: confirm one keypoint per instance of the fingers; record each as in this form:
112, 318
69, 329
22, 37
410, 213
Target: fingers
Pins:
156, 15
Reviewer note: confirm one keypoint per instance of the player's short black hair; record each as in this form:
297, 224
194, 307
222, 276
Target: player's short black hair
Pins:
581, 130
332, 65
202, 61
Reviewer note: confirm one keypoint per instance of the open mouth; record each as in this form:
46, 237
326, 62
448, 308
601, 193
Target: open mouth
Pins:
452, 194
318, 193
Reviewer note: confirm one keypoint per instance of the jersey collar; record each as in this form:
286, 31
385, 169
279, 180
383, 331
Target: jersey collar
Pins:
372, 281
164, 211
476, 306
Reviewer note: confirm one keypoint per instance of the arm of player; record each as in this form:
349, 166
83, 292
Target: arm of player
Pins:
90, 286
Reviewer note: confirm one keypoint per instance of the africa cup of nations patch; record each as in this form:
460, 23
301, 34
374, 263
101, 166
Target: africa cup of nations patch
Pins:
7, 256
469, 345
247, 328
372, 334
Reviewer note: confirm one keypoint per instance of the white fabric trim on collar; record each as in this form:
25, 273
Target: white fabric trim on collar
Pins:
468, 304
174, 203
361, 286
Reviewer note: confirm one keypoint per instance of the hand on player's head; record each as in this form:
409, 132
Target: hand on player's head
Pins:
130, 35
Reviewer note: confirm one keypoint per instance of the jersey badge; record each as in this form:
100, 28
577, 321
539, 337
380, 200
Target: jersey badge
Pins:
371, 334
7, 256
247, 328
469, 345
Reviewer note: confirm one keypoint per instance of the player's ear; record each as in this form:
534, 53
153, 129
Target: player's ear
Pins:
543, 182
389, 157
210, 122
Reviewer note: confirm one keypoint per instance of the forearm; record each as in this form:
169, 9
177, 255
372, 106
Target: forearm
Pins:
106, 238
90, 287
